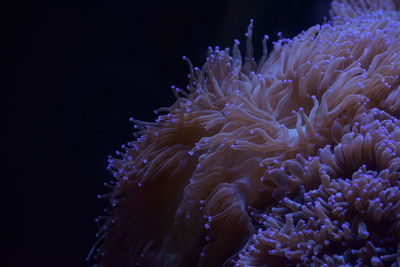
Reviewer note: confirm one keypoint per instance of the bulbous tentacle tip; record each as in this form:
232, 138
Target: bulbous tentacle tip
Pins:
250, 64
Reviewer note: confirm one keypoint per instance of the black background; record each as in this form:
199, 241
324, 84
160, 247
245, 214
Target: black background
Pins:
80, 70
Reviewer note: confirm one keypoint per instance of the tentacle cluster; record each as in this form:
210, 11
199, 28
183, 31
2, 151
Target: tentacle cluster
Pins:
290, 160
346, 209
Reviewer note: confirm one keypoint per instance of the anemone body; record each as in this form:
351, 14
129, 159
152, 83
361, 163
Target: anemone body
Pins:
291, 160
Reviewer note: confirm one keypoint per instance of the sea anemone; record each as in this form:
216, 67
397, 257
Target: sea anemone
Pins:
292, 160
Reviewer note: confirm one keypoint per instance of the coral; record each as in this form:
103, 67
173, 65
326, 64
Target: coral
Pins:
292, 160
334, 220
